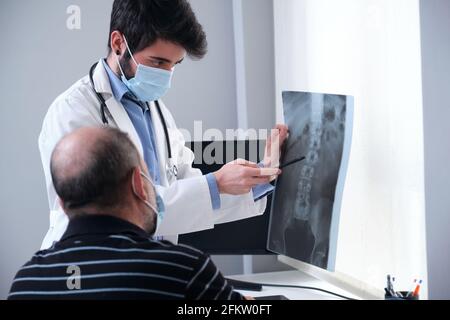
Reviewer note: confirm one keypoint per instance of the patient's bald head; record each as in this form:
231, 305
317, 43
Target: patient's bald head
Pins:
91, 164
95, 170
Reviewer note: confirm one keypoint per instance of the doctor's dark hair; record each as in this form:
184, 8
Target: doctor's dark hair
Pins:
96, 176
144, 21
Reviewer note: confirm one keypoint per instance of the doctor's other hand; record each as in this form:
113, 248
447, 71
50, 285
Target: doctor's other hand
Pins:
274, 143
239, 177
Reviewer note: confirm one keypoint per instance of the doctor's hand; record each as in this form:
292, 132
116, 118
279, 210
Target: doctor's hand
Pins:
239, 177
274, 144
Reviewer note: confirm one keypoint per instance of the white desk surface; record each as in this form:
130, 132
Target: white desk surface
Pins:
291, 278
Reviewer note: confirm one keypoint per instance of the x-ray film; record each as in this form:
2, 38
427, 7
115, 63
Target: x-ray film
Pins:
307, 199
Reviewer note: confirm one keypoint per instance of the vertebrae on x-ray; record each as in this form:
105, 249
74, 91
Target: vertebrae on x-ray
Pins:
302, 203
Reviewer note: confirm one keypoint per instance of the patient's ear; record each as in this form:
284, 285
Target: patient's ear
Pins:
138, 184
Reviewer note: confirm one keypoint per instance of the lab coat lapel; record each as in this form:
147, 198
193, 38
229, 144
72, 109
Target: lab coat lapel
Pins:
160, 142
115, 108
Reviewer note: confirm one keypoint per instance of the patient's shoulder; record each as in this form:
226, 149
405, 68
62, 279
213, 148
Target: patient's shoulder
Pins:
169, 246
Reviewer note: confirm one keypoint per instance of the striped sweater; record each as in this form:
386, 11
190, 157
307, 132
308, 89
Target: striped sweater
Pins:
102, 257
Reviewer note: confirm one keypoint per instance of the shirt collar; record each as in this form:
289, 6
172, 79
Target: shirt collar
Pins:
119, 89
101, 224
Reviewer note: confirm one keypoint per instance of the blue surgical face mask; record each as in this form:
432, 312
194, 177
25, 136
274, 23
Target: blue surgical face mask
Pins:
148, 84
160, 207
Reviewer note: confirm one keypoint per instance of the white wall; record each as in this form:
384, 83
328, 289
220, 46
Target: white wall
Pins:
370, 50
435, 19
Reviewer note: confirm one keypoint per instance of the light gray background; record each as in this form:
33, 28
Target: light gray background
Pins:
435, 20
41, 58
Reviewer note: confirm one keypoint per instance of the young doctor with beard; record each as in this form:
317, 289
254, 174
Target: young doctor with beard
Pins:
147, 39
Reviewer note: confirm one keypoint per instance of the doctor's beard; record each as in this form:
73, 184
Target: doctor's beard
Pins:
125, 63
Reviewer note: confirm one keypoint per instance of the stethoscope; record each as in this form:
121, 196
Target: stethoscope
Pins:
171, 168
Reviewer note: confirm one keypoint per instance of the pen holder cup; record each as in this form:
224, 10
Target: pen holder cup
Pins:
403, 297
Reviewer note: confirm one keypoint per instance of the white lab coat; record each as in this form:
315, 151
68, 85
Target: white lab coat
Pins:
187, 200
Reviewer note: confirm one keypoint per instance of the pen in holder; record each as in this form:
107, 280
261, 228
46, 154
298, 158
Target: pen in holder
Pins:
391, 294
401, 295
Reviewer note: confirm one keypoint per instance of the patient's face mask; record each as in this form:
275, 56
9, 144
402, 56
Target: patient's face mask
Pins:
159, 210
148, 84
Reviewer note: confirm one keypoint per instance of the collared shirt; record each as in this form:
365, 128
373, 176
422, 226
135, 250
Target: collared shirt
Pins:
141, 118
103, 257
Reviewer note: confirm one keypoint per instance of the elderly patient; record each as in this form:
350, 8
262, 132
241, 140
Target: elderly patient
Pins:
108, 251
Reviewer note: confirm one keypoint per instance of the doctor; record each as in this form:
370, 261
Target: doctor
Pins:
147, 39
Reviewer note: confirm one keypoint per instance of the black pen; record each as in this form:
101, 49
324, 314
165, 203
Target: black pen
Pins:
284, 165
390, 286
388, 293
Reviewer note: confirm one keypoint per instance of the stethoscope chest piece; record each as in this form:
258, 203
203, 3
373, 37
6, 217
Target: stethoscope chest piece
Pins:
171, 170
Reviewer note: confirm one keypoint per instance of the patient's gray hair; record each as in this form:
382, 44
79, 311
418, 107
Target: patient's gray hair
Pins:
91, 166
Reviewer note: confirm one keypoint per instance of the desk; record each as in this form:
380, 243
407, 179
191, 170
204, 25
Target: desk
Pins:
291, 278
